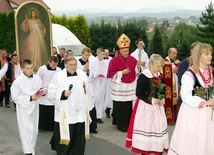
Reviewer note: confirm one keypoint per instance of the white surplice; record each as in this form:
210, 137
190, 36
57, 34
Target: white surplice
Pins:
18, 70
27, 111
76, 105
3, 70
99, 84
90, 89
108, 101
143, 57
46, 76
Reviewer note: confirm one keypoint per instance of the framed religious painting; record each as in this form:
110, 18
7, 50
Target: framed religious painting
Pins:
33, 33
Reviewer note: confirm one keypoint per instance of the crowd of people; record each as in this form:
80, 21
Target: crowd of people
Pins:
142, 95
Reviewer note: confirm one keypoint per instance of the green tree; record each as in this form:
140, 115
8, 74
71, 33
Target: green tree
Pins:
3, 30
82, 31
165, 24
95, 33
142, 23
165, 38
182, 38
145, 39
71, 24
134, 32
206, 32
77, 25
120, 27
63, 20
157, 46
103, 35
55, 19
11, 39
109, 35
211, 42
165, 43
194, 19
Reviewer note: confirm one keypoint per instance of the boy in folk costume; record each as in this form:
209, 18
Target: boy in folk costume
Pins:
122, 72
23, 93
170, 79
68, 90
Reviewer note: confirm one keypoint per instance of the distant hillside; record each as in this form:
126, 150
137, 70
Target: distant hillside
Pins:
166, 12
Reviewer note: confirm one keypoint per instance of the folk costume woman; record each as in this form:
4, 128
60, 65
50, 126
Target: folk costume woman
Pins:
194, 130
147, 131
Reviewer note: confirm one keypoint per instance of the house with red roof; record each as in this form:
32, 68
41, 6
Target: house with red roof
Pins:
9, 5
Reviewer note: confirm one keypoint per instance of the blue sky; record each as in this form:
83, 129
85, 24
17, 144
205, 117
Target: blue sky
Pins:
127, 5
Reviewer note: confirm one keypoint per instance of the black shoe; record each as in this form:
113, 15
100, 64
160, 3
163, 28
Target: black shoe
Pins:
29, 154
108, 116
7, 106
100, 121
113, 122
123, 130
107, 111
94, 131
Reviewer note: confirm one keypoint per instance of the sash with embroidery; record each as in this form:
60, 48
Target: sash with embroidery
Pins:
64, 125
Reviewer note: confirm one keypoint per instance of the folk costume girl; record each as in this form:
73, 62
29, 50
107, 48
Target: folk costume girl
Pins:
147, 131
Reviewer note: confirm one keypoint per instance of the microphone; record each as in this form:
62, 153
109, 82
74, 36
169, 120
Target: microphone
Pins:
70, 87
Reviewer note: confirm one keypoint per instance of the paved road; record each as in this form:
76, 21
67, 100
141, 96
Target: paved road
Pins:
109, 141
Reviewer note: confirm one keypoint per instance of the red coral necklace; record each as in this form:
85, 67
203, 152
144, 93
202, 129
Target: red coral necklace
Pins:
206, 80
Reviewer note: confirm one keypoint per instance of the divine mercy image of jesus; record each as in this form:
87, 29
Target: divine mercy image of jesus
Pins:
33, 43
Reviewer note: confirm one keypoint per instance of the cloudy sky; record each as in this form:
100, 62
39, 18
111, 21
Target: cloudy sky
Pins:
128, 5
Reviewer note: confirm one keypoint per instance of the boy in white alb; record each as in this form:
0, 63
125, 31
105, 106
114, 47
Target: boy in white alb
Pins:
108, 101
23, 93
46, 107
98, 71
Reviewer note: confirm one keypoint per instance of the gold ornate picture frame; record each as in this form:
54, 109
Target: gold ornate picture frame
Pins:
33, 33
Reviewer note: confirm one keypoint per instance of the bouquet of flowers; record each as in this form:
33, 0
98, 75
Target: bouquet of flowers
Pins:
205, 93
159, 87
200, 91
